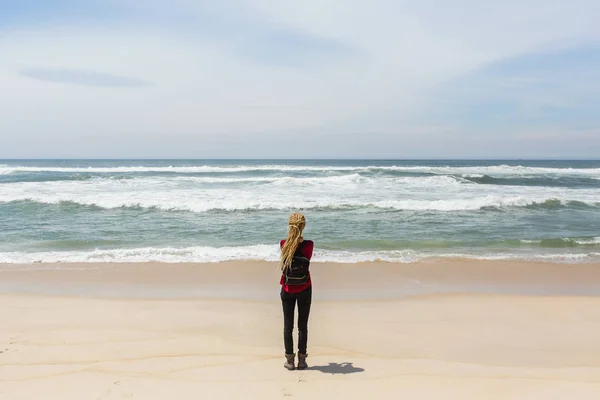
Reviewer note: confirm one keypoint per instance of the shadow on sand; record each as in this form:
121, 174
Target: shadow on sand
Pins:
336, 368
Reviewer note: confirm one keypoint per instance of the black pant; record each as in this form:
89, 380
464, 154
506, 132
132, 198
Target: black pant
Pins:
289, 300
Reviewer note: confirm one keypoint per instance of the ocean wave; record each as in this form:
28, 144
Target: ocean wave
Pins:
507, 170
431, 181
261, 252
563, 242
191, 204
350, 178
467, 171
583, 241
178, 169
338, 179
534, 180
152, 180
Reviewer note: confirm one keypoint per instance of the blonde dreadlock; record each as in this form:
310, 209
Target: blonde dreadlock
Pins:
296, 225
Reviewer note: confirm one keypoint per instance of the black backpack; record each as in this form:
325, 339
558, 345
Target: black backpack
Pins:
297, 272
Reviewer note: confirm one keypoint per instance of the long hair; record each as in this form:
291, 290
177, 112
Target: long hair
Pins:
296, 225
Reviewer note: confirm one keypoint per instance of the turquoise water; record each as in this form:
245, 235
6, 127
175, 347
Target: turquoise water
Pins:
360, 210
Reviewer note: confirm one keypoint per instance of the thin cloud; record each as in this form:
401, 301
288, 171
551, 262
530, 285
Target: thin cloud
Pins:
238, 77
83, 78
294, 49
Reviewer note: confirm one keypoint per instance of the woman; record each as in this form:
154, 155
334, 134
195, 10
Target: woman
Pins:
296, 287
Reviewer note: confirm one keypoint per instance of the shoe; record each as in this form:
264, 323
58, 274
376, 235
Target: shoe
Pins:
302, 361
289, 362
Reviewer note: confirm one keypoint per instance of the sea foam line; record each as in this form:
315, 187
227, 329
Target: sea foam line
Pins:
263, 252
228, 205
578, 241
337, 179
518, 170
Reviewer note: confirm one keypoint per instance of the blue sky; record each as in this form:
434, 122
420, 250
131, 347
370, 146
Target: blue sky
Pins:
256, 79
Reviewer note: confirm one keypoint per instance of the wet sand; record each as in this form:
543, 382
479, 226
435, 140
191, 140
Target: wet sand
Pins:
332, 281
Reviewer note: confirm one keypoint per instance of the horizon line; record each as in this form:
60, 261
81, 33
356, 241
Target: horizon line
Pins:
302, 159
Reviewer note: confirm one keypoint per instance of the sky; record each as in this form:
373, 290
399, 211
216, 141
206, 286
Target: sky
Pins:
288, 79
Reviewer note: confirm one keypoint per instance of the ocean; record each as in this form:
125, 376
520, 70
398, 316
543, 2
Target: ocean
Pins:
356, 210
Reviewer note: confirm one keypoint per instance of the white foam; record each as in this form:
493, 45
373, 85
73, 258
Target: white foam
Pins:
179, 169
145, 254
554, 257
198, 200
349, 179
202, 193
232, 204
261, 252
590, 241
507, 170
498, 170
287, 180
430, 181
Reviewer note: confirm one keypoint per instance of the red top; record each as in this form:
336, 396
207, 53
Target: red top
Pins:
307, 250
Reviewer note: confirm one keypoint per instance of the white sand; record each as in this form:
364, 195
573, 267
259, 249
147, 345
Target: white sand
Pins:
437, 346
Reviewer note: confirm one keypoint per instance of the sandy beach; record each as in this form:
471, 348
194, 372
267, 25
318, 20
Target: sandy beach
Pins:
451, 329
